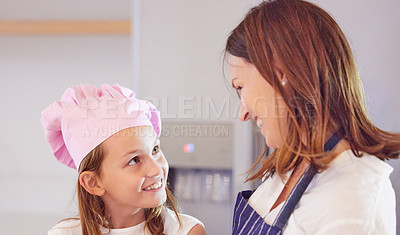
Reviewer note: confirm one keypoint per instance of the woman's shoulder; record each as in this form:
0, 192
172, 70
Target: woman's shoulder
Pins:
66, 227
359, 180
171, 223
353, 193
347, 169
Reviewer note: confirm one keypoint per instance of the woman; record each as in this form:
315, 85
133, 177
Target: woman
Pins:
297, 80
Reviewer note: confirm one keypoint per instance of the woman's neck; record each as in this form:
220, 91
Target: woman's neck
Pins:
299, 170
341, 146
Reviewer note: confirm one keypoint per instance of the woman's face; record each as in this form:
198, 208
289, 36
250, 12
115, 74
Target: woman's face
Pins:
134, 171
259, 101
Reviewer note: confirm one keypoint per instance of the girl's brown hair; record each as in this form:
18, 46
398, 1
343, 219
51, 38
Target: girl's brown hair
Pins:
91, 207
323, 93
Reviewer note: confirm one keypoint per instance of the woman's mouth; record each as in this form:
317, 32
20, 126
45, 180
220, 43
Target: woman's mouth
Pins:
155, 186
259, 122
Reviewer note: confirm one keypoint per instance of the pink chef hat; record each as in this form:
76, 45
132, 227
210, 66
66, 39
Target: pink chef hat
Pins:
86, 116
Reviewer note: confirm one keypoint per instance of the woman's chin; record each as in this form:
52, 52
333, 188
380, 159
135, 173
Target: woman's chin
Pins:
271, 144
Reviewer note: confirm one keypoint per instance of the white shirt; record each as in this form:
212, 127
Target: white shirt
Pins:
171, 226
353, 196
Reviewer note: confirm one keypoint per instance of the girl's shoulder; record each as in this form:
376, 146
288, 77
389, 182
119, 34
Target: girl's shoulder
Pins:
171, 223
66, 227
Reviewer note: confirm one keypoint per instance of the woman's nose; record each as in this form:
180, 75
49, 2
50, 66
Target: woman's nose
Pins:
244, 114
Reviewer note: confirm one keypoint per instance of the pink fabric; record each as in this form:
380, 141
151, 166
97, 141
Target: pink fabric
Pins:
86, 116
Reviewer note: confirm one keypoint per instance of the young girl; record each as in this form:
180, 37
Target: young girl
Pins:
297, 80
111, 138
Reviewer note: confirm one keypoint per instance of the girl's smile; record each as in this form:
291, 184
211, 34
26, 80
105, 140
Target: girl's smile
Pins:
155, 187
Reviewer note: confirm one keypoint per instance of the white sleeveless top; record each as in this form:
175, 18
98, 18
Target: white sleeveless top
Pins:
171, 226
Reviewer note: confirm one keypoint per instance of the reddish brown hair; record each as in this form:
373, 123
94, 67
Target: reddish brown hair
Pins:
323, 93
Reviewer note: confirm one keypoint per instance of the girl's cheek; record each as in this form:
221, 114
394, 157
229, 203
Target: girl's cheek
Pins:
166, 167
164, 161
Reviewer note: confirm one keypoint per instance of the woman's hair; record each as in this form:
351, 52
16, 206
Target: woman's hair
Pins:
323, 92
91, 207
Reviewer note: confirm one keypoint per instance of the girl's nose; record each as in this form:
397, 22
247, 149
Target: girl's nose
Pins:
153, 168
244, 114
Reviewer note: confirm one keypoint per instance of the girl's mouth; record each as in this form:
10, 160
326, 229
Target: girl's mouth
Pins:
154, 186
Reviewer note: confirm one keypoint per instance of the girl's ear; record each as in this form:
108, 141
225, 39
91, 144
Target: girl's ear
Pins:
91, 183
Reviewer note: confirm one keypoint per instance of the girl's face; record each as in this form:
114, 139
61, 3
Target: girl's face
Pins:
134, 171
259, 101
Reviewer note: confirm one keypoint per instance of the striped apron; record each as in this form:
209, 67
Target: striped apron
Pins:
247, 221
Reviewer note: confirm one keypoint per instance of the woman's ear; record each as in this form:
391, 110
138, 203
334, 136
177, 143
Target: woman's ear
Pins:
90, 181
284, 80
281, 75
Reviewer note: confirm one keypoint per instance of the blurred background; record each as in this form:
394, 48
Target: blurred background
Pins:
169, 52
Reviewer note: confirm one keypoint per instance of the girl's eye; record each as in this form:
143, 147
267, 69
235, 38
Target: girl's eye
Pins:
133, 161
156, 149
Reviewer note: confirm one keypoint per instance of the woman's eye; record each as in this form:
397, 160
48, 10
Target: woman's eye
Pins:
156, 149
133, 161
238, 90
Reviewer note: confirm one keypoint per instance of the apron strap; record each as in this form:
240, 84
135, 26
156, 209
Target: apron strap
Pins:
331, 143
298, 190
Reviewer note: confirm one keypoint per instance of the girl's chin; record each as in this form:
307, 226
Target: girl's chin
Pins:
157, 202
